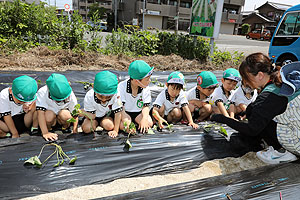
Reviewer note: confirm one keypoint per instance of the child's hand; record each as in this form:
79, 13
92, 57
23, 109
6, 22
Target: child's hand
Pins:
15, 136
144, 125
192, 124
50, 136
113, 134
161, 121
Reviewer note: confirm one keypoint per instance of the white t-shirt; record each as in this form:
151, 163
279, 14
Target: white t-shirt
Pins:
194, 94
131, 103
238, 97
93, 105
164, 99
7, 104
44, 102
219, 95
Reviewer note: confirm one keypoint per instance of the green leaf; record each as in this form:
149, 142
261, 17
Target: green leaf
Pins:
207, 128
150, 131
72, 161
77, 106
71, 120
170, 127
129, 143
29, 161
223, 131
33, 161
127, 146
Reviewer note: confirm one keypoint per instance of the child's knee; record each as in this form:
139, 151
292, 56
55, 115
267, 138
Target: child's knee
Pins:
50, 119
86, 128
64, 115
176, 113
207, 108
107, 124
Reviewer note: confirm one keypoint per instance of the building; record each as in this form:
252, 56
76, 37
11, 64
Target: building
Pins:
161, 14
266, 16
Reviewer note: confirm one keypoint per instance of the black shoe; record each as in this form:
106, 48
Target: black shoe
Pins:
35, 132
66, 130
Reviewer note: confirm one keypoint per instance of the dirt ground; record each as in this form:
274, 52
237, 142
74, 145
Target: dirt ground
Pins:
120, 186
43, 59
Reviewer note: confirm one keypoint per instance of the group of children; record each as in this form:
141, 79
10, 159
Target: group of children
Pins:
113, 105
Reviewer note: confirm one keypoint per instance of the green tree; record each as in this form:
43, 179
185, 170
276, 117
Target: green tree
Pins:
245, 29
96, 13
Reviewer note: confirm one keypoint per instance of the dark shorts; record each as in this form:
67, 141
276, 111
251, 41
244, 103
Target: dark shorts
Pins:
99, 119
19, 123
133, 115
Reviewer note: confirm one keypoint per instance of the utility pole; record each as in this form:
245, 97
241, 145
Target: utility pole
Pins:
144, 10
116, 14
177, 17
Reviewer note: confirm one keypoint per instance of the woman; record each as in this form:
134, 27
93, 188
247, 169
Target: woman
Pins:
275, 114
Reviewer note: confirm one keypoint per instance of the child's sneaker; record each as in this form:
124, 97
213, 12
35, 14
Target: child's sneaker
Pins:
184, 122
272, 156
66, 130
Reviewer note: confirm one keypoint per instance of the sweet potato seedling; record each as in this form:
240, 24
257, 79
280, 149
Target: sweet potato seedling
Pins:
131, 131
86, 85
60, 156
215, 127
77, 111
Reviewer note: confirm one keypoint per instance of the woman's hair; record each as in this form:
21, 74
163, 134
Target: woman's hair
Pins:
259, 62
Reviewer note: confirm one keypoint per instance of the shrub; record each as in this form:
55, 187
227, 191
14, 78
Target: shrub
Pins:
220, 58
245, 29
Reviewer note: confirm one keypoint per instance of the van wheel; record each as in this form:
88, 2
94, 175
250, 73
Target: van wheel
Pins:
247, 36
286, 59
262, 39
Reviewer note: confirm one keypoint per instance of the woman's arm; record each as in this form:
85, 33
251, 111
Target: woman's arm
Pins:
263, 110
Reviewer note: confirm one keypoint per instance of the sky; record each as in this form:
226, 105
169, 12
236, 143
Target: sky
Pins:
59, 3
250, 5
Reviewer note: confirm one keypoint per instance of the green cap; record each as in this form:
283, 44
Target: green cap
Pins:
24, 88
232, 74
206, 79
176, 77
106, 83
59, 87
139, 69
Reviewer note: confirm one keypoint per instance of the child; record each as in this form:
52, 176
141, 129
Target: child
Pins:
169, 102
17, 107
198, 96
220, 97
136, 95
103, 104
54, 103
241, 98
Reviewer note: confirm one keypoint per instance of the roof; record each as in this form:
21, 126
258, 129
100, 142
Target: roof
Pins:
261, 16
278, 6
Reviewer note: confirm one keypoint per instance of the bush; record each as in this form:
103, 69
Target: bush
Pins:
35, 24
220, 58
145, 43
168, 43
245, 29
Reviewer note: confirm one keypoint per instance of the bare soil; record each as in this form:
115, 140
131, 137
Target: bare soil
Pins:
44, 59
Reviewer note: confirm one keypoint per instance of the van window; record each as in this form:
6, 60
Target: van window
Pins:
290, 25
